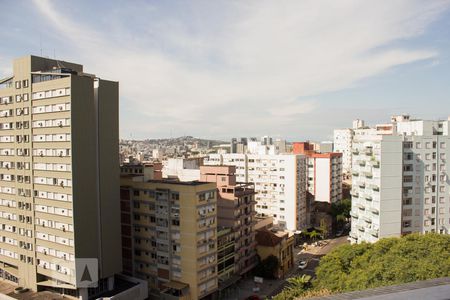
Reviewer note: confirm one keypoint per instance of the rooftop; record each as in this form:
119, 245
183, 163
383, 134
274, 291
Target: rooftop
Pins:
7, 289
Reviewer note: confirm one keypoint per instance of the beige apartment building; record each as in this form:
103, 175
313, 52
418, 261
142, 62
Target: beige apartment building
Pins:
169, 235
58, 173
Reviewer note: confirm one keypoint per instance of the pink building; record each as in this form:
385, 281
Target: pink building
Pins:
235, 210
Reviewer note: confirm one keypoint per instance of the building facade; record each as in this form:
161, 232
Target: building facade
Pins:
400, 179
58, 164
279, 244
235, 210
169, 236
324, 173
343, 143
280, 184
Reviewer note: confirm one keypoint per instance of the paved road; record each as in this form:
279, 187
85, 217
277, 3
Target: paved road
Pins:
244, 288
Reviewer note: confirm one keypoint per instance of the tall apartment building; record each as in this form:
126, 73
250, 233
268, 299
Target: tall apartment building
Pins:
343, 140
324, 173
169, 235
58, 170
400, 179
280, 184
266, 145
235, 210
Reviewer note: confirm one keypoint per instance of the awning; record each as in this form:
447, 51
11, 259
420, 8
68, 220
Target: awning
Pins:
176, 285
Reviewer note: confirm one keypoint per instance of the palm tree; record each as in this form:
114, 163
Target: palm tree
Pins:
313, 235
299, 283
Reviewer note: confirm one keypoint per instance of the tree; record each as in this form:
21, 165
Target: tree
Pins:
387, 262
340, 211
296, 287
313, 235
323, 229
268, 267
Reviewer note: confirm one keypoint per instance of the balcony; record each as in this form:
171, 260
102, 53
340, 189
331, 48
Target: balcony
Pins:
368, 198
355, 152
362, 184
361, 163
366, 219
368, 151
376, 164
353, 235
354, 214
374, 210
355, 194
375, 188
374, 232
175, 290
360, 206
368, 174
360, 228
354, 173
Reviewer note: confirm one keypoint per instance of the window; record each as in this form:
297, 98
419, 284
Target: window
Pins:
443, 145
25, 97
418, 145
18, 98
17, 84
25, 83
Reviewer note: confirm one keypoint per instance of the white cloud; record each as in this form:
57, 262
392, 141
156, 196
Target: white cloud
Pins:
251, 56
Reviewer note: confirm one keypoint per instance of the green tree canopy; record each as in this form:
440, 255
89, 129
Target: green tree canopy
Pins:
341, 208
389, 261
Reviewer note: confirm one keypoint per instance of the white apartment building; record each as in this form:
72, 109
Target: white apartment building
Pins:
280, 184
324, 172
325, 177
343, 140
183, 169
400, 179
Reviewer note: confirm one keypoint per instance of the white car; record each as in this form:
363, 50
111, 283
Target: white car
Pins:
302, 264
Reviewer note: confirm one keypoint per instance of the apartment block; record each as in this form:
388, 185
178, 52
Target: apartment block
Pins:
58, 173
343, 140
235, 210
324, 173
400, 179
169, 235
280, 184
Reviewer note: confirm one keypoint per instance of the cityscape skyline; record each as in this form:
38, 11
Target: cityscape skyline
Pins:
182, 63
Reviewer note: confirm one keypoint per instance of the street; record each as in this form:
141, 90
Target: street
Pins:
245, 287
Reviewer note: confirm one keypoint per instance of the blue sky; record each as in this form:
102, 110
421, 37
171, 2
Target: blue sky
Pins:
217, 69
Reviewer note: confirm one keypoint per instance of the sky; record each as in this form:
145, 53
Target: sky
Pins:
222, 69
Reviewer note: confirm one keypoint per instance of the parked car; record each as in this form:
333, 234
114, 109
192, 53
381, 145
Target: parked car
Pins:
302, 264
